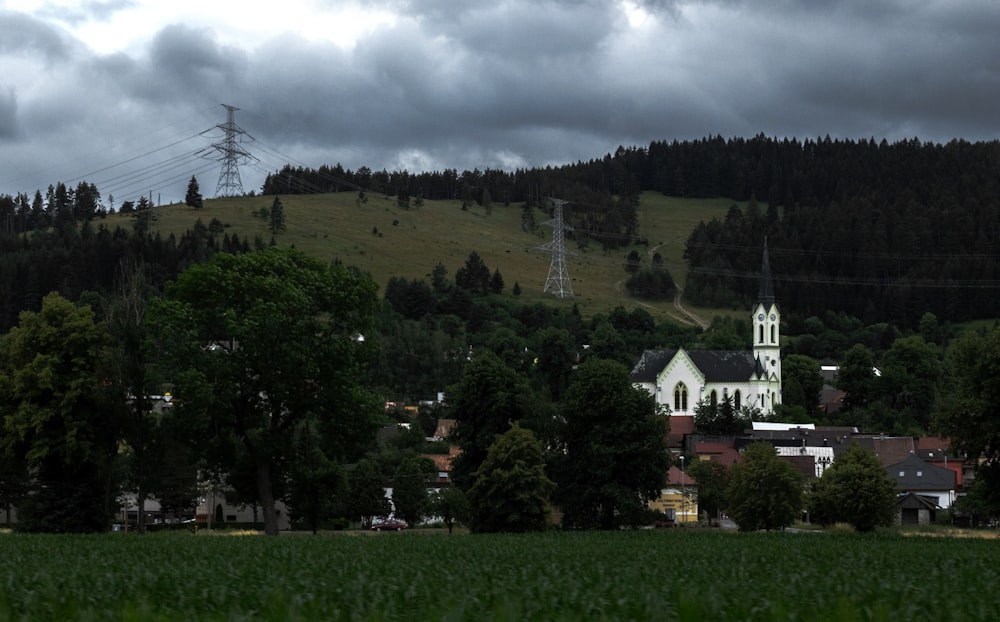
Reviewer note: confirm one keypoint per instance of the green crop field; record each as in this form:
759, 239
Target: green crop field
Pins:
384, 240
645, 575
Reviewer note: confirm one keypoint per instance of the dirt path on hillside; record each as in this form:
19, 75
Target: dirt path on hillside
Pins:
686, 315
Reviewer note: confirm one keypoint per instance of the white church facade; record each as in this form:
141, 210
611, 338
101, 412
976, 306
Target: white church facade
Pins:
681, 378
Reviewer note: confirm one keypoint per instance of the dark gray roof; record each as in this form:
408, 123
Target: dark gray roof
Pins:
716, 365
726, 365
930, 477
650, 364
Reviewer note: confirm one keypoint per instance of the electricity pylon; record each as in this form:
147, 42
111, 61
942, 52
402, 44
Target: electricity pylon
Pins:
233, 154
558, 278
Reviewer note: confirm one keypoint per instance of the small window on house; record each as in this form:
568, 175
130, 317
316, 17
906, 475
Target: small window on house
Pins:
920, 473
902, 473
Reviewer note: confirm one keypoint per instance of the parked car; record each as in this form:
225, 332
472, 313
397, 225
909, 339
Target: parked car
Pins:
392, 524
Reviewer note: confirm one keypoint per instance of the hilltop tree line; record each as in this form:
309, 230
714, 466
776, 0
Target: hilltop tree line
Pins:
882, 231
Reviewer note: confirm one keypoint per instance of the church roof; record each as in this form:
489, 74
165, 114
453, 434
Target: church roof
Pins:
650, 364
715, 365
725, 365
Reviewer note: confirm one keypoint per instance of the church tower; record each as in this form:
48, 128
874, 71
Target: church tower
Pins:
766, 340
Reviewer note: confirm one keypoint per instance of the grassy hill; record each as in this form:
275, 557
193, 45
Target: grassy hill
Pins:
385, 241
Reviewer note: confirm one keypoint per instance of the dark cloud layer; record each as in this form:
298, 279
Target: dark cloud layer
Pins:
510, 83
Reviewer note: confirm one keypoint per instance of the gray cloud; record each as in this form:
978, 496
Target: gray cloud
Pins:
24, 36
512, 83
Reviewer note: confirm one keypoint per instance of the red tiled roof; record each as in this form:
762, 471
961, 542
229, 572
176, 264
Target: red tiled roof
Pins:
678, 478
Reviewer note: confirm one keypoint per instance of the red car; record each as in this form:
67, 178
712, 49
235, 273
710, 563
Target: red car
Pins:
392, 524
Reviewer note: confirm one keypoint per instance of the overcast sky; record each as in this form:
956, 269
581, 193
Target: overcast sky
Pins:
126, 93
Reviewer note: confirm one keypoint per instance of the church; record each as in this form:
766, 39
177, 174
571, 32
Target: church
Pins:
680, 379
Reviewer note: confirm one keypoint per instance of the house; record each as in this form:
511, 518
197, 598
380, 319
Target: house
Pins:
924, 488
679, 379
679, 497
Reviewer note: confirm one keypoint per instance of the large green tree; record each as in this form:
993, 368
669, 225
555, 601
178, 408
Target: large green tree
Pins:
855, 489
409, 489
511, 492
713, 478
614, 459
262, 341
485, 402
59, 418
970, 418
801, 383
764, 492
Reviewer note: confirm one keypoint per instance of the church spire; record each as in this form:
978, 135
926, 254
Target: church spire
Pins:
766, 294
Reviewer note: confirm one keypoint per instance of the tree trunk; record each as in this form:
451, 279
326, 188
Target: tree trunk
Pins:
266, 496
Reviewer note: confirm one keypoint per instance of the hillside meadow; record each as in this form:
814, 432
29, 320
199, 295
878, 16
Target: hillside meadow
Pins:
385, 241
637, 575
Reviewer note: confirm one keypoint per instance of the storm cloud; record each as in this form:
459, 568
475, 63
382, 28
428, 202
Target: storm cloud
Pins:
512, 83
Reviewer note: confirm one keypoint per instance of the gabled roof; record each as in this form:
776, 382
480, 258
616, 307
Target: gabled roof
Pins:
913, 501
725, 365
680, 478
915, 474
650, 364
715, 365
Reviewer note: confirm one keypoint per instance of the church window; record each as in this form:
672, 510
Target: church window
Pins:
772, 333
714, 398
680, 397
761, 338
736, 399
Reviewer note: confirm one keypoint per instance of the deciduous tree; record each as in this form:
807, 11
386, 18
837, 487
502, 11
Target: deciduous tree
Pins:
59, 416
764, 492
971, 417
409, 489
488, 399
614, 459
511, 492
262, 341
855, 489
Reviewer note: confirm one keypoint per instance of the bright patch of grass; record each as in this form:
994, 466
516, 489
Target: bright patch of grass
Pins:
384, 240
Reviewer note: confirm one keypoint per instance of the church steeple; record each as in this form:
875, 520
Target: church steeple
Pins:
765, 295
767, 339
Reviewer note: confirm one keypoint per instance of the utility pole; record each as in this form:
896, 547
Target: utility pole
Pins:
558, 278
233, 154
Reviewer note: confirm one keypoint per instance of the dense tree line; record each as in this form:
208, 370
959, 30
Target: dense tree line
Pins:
882, 231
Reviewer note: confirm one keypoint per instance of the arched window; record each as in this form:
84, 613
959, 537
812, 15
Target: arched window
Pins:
774, 396
714, 398
761, 338
680, 397
773, 332
737, 401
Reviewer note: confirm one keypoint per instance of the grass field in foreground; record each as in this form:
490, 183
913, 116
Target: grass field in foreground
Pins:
645, 575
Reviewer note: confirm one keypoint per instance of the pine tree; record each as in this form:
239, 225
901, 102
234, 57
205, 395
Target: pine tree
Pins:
277, 218
193, 196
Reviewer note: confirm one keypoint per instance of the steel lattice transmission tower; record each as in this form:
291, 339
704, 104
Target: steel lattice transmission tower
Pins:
558, 278
233, 154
